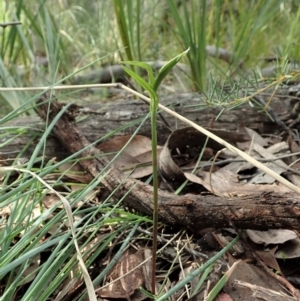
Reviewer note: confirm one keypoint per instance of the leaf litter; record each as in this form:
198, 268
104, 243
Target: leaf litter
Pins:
234, 179
181, 152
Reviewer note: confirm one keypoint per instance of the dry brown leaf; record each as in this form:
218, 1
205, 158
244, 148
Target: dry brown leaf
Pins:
271, 236
252, 274
124, 161
237, 167
138, 151
279, 147
268, 258
138, 145
223, 297
135, 160
144, 168
279, 167
254, 137
225, 183
290, 249
257, 151
128, 284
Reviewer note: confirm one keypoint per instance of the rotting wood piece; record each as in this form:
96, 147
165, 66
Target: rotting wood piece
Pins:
258, 211
115, 114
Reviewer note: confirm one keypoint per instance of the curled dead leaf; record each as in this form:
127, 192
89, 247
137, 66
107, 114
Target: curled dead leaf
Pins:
132, 272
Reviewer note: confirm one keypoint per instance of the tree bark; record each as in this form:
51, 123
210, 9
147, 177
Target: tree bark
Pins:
129, 114
258, 211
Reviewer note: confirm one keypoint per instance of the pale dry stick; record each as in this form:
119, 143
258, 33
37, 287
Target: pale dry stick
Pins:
86, 276
119, 85
174, 114
65, 87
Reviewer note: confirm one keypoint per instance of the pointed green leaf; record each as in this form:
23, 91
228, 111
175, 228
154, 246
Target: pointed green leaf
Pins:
145, 66
167, 68
141, 81
221, 283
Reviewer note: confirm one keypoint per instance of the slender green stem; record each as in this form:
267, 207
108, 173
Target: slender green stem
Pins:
151, 86
153, 107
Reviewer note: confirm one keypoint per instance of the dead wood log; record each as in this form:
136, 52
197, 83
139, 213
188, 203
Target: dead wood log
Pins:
115, 114
259, 211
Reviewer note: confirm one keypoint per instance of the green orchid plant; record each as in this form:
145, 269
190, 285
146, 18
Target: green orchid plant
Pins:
151, 87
